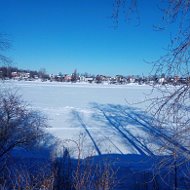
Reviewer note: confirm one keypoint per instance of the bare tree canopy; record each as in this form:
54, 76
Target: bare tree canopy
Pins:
4, 46
176, 61
171, 110
19, 126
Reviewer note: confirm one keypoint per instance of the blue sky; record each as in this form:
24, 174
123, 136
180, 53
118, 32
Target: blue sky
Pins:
63, 35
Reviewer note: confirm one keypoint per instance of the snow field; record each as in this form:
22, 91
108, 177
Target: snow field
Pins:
104, 115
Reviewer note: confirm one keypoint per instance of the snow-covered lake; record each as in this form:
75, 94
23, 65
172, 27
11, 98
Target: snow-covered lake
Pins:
105, 115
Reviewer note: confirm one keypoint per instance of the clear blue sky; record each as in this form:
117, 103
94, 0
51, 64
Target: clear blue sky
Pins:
63, 35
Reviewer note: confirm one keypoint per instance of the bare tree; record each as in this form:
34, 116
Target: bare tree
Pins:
19, 125
43, 74
4, 46
171, 110
125, 9
22, 128
74, 76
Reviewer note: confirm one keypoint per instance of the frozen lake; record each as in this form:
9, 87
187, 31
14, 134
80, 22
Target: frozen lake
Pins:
103, 114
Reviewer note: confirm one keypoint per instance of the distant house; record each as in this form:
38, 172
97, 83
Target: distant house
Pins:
120, 79
161, 80
81, 78
103, 78
51, 76
132, 79
176, 79
20, 75
36, 77
67, 78
24, 75
113, 80
14, 74
89, 79
183, 80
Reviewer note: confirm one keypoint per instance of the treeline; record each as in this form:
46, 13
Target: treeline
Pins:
23, 74
10, 72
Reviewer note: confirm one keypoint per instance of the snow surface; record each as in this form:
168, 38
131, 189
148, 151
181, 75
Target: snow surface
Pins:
104, 115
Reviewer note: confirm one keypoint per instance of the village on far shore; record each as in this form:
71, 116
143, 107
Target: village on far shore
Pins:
7, 73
